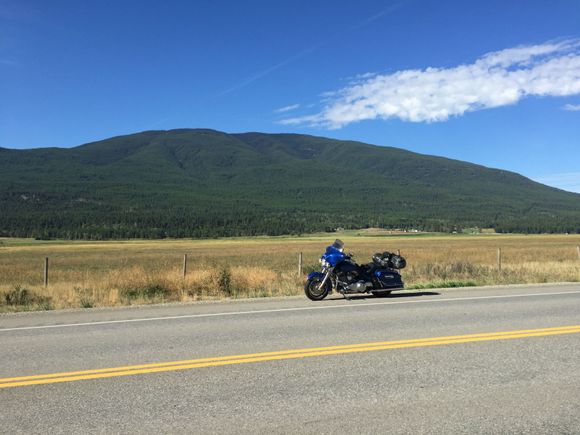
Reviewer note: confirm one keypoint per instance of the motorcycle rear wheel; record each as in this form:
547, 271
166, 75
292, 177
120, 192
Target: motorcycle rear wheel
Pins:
314, 292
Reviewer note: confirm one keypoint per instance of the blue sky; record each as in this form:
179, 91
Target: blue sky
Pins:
491, 82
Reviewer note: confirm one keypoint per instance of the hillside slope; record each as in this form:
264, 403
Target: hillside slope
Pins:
205, 183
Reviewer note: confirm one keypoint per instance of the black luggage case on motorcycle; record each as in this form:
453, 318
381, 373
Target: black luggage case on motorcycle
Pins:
388, 279
390, 260
386, 274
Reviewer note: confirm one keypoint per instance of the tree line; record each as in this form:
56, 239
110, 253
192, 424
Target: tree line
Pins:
182, 223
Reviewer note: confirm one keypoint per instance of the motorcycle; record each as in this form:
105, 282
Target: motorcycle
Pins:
343, 275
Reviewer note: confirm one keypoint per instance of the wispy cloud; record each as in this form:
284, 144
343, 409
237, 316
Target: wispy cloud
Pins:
271, 69
306, 51
569, 181
435, 94
8, 62
287, 108
380, 14
571, 107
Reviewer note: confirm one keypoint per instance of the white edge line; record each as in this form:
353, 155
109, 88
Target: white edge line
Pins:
279, 310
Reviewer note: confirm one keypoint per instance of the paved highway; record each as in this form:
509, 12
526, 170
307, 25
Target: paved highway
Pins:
489, 360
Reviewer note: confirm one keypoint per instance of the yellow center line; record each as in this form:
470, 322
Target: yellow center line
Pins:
277, 355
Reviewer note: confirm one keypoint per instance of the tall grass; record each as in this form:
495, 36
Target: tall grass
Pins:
139, 272
137, 285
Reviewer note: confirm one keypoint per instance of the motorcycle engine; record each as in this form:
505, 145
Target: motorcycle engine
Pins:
347, 280
350, 276
347, 271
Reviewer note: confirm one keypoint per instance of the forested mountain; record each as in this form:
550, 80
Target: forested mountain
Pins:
205, 183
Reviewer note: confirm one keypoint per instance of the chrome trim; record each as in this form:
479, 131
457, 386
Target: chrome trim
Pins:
324, 280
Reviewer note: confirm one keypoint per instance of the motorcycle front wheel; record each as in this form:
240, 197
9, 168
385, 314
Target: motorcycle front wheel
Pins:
314, 292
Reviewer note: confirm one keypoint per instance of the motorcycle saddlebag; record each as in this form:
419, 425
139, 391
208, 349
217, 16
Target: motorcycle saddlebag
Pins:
389, 279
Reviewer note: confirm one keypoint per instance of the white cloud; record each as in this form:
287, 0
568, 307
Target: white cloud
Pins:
435, 94
571, 107
287, 108
569, 181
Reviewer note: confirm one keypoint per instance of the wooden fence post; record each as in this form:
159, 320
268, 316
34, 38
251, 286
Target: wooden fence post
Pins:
46, 271
499, 259
184, 265
300, 264
578, 247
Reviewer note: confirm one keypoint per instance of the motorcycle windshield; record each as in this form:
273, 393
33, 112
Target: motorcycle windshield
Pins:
338, 244
333, 255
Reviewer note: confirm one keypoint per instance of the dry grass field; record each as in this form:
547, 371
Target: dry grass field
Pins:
94, 274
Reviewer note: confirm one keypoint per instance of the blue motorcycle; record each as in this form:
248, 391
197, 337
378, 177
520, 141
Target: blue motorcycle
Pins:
341, 274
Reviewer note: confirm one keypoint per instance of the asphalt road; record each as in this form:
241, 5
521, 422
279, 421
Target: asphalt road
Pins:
317, 376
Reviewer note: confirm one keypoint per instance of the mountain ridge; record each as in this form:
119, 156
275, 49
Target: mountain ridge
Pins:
207, 183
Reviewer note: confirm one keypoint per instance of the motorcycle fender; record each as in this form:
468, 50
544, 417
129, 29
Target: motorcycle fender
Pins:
312, 275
